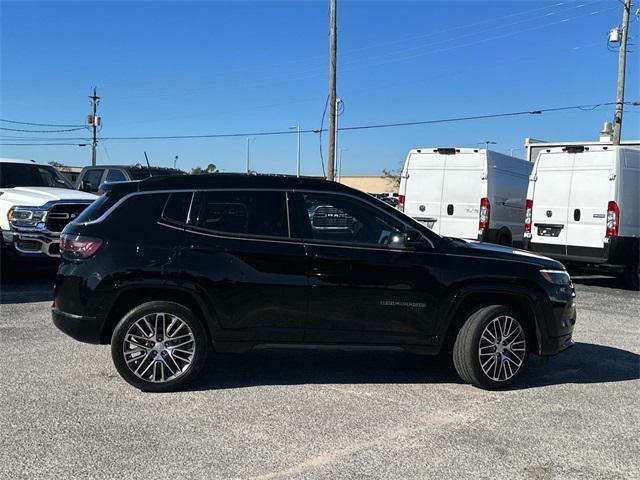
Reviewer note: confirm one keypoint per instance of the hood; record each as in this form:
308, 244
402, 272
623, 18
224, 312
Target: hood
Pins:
38, 196
490, 250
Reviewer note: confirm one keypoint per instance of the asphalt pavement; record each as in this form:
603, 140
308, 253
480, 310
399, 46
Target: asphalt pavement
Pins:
65, 413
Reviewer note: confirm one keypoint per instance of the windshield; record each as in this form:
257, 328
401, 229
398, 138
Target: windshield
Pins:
26, 175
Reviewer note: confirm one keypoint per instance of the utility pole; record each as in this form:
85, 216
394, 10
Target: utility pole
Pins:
622, 63
94, 121
333, 44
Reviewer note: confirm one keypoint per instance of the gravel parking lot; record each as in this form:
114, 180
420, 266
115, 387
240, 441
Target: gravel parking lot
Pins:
65, 413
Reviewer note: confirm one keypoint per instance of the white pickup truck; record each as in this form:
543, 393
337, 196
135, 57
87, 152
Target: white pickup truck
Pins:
36, 203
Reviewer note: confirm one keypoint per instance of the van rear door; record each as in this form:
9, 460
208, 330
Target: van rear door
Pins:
423, 187
592, 186
552, 181
464, 184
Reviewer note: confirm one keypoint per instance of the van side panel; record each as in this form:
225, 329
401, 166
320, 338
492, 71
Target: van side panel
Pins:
507, 189
628, 194
592, 186
463, 186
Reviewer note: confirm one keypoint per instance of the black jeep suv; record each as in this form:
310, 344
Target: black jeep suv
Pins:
166, 267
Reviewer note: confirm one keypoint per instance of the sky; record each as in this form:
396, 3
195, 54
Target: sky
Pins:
168, 68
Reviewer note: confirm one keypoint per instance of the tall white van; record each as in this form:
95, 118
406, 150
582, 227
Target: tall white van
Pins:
583, 206
466, 193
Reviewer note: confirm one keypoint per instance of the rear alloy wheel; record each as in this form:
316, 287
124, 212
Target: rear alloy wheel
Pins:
491, 348
159, 346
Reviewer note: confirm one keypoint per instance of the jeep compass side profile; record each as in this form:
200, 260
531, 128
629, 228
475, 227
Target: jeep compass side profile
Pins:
165, 268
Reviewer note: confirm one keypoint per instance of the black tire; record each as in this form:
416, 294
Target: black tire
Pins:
198, 342
632, 276
467, 348
504, 238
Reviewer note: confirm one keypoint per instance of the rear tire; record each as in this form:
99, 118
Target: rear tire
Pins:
159, 346
504, 238
632, 276
491, 348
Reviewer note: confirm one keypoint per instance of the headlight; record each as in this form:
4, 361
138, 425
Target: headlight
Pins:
25, 217
556, 277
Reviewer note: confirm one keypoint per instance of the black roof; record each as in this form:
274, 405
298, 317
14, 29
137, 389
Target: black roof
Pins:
229, 180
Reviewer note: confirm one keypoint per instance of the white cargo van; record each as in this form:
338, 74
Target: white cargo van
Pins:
583, 206
466, 193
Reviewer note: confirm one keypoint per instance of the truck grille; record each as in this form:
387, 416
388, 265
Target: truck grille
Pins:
327, 217
60, 215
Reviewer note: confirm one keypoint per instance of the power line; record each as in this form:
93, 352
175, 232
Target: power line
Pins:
582, 107
42, 131
43, 144
39, 124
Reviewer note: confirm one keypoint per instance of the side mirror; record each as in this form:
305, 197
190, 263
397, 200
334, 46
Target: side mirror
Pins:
413, 239
86, 186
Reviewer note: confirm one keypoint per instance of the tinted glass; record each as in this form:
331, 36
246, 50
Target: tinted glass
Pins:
339, 218
115, 176
247, 213
177, 207
98, 207
26, 175
93, 176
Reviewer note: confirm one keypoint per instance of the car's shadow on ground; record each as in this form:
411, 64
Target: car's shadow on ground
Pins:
584, 363
30, 285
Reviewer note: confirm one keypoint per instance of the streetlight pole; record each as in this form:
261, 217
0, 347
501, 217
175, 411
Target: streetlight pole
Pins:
340, 163
297, 128
248, 151
486, 144
175, 160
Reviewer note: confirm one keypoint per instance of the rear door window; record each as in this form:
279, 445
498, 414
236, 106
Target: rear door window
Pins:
252, 213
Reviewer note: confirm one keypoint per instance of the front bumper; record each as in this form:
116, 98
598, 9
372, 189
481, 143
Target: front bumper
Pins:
32, 244
84, 329
560, 314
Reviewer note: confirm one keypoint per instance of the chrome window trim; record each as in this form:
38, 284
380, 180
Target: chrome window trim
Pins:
244, 189
255, 238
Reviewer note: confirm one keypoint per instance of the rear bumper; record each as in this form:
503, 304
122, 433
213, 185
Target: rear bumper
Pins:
617, 252
84, 329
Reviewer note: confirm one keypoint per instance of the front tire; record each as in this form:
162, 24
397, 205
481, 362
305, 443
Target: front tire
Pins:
159, 346
491, 348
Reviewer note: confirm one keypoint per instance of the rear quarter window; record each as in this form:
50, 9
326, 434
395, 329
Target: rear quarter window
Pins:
177, 207
99, 206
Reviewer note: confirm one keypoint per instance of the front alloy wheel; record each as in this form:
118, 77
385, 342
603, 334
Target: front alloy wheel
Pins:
491, 348
502, 348
159, 346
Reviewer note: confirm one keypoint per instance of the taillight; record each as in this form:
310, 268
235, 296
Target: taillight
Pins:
485, 213
613, 219
528, 217
77, 246
401, 203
